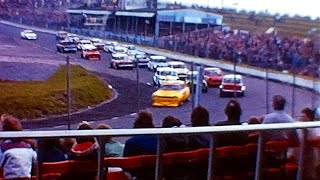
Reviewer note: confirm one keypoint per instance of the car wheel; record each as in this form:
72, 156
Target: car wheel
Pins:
242, 94
205, 90
154, 83
58, 49
221, 94
116, 66
82, 55
110, 65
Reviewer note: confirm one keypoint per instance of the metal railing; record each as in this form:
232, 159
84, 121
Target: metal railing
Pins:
99, 134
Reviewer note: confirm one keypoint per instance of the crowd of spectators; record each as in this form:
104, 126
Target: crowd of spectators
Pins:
265, 50
21, 153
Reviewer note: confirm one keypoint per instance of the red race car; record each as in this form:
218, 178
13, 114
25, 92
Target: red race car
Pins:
232, 85
213, 76
90, 54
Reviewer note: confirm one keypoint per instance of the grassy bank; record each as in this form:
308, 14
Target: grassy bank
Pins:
39, 99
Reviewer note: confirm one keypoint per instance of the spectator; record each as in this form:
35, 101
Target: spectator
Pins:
176, 142
112, 148
51, 152
16, 155
199, 117
308, 115
233, 112
253, 136
279, 116
85, 148
142, 144
277, 158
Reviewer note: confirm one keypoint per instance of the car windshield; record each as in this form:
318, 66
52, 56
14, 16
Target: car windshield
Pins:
96, 41
168, 73
159, 61
67, 43
212, 72
178, 66
120, 58
171, 87
232, 80
131, 47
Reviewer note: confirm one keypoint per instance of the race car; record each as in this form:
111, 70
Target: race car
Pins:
163, 74
180, 67
192, 79
109, 45
28, 34
157, 61
213, 76
66, 46
171, 93
232, 85
120, 60
84, 43
61, 35
98, 43
90, 54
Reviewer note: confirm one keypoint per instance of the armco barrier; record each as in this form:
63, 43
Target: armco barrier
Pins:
260, 73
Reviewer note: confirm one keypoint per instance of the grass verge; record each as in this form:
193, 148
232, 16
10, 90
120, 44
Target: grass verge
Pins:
34, 99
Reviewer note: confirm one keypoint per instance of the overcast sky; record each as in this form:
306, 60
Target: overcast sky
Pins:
290, 7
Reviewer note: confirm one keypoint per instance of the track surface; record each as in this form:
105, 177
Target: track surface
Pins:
120, 112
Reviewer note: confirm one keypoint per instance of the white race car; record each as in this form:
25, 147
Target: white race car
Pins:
28, 34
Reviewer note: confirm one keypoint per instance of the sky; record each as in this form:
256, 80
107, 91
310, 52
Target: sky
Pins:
290, 7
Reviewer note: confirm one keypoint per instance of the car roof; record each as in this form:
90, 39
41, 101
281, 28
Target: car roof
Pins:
27, 30
96, 39
89, 47
158, 57
212, 68
120, 47
193, 72
175, 63
119, 55
84, 40
228, 76
165, 69
176, 82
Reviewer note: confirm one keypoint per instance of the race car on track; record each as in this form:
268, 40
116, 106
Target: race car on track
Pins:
141, 59
192, 78
66, 46
232, 85
213, 76
109, 45
120, 60
180, 67
171, 93
98, 43
61, 35
157, 61
84, 43
90, 53
28, 34
164, 74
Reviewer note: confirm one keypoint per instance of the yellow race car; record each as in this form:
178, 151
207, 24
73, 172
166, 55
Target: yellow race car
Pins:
171, 93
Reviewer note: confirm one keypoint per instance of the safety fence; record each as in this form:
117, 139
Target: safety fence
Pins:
160, 160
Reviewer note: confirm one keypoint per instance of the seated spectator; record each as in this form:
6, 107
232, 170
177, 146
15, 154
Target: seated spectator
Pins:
85, 148
199, 117
142, 144
16, 155
253, 136
112, 148
51, 152
233, 112
173, 142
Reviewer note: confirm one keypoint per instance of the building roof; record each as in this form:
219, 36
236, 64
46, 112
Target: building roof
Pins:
189, 16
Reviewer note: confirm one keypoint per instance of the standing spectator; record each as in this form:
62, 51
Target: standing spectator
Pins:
233, 112
112, 148
175, 142
142, 144
85, 148
16, 155
199, 117
278, 116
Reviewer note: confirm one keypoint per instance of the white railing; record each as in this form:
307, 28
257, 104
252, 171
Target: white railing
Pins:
163, 131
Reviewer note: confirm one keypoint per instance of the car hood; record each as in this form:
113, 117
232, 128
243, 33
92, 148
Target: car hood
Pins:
166, 93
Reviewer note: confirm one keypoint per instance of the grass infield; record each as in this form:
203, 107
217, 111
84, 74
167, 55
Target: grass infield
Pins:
35, 99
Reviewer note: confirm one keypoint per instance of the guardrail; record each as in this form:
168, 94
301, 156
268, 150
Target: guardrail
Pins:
99, 134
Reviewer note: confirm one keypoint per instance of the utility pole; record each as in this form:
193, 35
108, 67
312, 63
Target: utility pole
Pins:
68, 92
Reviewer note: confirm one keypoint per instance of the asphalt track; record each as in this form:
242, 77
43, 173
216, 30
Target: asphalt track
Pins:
120, 113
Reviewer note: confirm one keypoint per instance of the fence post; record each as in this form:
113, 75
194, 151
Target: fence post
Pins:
68, 92
158, 172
